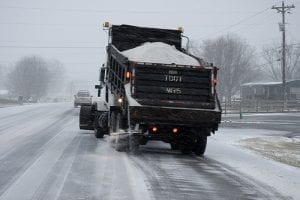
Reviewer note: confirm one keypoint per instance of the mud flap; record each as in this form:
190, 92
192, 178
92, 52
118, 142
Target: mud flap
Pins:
86, 118
121, 141
125, 141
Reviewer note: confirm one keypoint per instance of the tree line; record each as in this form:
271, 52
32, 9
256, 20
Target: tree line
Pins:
33, 78
239, 63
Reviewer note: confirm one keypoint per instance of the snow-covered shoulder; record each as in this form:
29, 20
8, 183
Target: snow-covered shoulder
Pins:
159, 52
259, 161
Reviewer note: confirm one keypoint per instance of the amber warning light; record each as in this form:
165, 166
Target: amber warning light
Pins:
106, 25
128, 75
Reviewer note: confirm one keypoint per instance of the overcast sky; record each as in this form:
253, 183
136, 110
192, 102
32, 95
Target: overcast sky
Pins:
71, 30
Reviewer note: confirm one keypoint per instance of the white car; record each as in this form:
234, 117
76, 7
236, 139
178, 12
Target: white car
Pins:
82, 97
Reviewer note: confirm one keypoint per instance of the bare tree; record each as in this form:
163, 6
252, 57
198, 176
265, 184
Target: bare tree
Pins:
2, 76
273, 67
29, 78
236, 61
293, 62
58, 76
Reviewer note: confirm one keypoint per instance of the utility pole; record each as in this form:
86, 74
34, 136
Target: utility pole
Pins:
283, 9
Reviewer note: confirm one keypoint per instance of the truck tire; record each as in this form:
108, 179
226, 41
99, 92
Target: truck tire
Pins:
186, 150
86, 118
174, 146
200, 145
143, 141
99, 133
186, 145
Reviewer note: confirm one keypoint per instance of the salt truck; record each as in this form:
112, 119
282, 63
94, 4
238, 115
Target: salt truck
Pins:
152, 89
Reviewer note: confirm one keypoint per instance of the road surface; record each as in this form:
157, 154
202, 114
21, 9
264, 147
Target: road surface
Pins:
44, 155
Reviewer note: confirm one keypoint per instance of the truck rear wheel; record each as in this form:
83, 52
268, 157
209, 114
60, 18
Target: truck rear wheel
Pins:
99, 133
200, 145
186, 150
174, 146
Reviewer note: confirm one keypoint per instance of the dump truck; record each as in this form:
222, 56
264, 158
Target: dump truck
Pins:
151, 88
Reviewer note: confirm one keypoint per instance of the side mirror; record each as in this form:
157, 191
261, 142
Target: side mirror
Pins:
102, 75
98, 87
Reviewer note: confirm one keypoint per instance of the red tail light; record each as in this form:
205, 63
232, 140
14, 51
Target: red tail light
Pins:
128, 75
175, 130
153, 129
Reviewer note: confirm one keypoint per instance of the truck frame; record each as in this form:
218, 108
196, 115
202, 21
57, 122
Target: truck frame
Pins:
143, 101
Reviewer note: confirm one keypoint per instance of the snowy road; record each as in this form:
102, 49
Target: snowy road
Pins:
44, 155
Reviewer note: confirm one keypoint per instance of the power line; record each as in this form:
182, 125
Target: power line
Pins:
40, 24
67, 63
266, 19
51, 47
126, 11
97, 25
241, 21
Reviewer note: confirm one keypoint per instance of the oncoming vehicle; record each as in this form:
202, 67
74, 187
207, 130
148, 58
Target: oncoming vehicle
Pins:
82, 97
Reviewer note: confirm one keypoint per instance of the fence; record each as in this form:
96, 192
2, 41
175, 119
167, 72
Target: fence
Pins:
242, 106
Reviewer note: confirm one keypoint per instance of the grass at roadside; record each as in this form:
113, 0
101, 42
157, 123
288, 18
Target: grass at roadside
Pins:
282, 149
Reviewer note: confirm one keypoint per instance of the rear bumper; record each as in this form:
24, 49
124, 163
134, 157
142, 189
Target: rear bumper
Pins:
178, 116
82, 103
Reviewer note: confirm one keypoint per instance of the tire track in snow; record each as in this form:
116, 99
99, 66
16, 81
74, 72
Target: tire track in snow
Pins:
22, 131
175, 176
21, 118
52, 185
16, 161
81, 181
172, 183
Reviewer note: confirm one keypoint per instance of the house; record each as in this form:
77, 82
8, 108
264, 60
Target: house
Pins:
270, 90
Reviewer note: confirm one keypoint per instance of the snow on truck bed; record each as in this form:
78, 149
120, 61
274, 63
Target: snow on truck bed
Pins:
159, 52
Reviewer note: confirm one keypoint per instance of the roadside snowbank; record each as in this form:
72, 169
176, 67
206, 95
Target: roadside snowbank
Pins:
159, 52
225, 147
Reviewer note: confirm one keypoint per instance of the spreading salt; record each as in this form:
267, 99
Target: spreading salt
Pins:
159, 52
